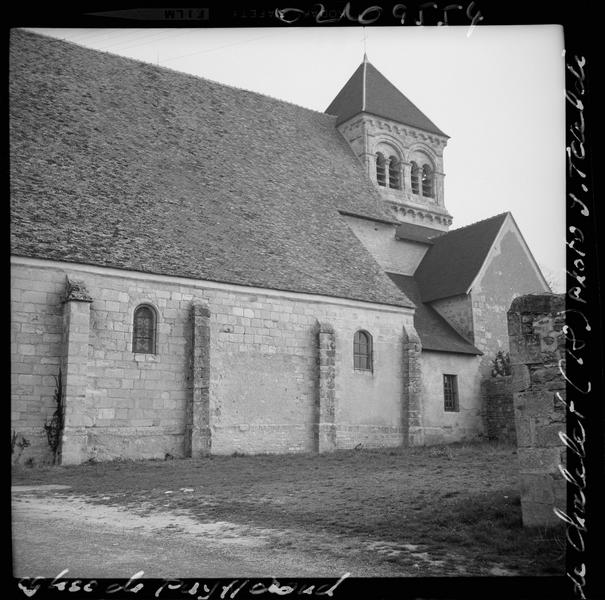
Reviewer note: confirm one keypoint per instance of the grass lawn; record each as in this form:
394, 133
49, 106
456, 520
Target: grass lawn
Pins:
457, 505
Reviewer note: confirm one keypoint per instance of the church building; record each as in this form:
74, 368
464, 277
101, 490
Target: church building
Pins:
199, 269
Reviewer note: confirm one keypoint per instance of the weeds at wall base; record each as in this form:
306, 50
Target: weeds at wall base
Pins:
54, 427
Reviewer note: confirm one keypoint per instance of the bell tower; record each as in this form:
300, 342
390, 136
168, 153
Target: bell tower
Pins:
400, 147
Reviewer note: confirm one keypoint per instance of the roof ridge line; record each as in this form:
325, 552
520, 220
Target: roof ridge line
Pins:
172, 70
477, 222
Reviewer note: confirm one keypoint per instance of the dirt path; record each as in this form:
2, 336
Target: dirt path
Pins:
53, 533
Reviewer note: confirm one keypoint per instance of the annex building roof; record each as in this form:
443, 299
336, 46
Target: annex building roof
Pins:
455, 258
434, 331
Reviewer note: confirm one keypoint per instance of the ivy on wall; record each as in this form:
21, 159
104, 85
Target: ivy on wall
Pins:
54, 427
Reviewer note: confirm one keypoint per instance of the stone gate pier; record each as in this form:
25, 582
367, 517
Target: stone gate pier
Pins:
537, 344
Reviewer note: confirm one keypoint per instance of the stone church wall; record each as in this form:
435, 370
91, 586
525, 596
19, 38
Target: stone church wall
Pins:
508, 273
36, 351
263, 376
441, 426
366, 414
393, 255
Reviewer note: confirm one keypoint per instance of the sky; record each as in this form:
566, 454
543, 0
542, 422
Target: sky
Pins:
498, 92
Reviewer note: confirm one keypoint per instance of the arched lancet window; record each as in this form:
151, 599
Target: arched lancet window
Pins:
414, 174
394, 173
144, 326
427, 182
381, 176
362, 351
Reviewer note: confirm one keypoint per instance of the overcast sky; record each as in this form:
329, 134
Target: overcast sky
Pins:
498, 93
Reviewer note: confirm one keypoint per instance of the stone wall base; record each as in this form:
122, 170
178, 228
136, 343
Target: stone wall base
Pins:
263, 439
416, 436
499, 414
368, 436
38, 451
122, 443
434, 436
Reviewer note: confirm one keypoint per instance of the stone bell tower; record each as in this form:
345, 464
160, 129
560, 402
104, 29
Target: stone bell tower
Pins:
400, 147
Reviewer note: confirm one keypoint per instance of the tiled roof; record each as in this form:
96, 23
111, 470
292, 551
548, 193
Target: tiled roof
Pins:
382, 99
123, 164
455, 258
434, 331
417, 233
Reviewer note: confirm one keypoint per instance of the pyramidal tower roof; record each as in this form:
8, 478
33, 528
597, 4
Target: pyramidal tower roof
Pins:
368, 90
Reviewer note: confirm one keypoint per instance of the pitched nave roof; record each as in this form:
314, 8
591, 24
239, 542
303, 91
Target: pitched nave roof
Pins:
124, 164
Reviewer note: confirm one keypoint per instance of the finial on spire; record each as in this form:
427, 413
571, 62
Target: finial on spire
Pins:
365, 56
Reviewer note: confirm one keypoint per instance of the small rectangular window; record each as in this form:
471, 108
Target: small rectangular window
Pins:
450, 393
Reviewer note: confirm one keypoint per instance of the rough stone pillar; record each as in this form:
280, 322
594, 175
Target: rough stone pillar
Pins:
326, 397
413, 433
198, 435
498, 410
536, 346
74, 365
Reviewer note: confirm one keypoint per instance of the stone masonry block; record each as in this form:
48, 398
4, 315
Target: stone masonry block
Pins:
538, 303
74, 446
80, 420
520, 380
106, 413
547, 436
545, 375
525, 432
539, 487
533, 403
541, 460
525, 349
